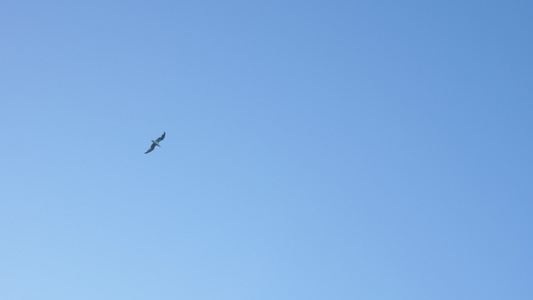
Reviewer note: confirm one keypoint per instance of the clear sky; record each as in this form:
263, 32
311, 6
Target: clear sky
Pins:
313, 150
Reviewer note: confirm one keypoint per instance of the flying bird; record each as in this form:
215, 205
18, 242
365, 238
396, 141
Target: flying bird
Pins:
155, 143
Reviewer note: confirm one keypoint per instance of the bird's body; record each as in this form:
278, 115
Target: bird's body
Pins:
155, 143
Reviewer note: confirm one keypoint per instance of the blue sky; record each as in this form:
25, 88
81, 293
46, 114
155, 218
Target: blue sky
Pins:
314, 150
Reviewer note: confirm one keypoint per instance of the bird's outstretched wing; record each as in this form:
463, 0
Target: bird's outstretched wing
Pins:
151, 148
159, 139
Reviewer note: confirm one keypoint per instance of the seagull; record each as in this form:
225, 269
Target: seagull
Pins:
155, 143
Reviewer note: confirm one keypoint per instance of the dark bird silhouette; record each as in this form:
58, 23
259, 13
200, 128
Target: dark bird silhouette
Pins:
155, 143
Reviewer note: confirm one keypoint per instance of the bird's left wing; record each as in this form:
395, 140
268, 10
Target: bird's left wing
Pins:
159, 139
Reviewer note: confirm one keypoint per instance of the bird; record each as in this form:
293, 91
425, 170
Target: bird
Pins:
155, 143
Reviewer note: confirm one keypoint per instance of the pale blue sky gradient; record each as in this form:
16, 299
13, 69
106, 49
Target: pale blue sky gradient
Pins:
314, 150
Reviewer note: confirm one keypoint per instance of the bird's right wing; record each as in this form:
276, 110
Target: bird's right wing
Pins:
151, 148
